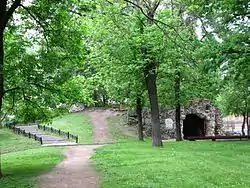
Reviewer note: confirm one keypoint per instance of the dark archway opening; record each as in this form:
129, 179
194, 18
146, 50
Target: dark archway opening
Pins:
193, 125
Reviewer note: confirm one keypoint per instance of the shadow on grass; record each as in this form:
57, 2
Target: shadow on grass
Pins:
22, 168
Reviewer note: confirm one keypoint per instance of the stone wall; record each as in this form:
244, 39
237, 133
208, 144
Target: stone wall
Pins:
202, 108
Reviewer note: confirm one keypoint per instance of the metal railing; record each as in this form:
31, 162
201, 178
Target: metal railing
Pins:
17, 130
59, 132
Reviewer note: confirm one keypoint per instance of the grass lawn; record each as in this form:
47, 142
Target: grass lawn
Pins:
200, 164
120, 132
10, 142
22, 168
76, 124
20, 163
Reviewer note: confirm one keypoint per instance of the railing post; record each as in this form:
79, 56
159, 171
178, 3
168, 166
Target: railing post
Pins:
44, 127
41, 140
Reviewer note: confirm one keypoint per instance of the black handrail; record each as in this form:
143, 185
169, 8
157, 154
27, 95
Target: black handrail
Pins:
17, 130
59, 132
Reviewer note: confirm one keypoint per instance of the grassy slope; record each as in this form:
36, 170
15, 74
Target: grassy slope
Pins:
179, 164
10, 142
20, 163
76, 124
22, 167
119, 132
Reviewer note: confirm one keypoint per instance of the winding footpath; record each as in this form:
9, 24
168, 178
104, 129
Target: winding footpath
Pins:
76, 170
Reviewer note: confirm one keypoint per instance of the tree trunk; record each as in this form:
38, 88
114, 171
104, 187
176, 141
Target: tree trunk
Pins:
1, 69
3, 6
95, 98
243, 124
104, 100
178, 107
139, 117
1, 173
1, 83
5, 16
248, 124
150, 75
153, 99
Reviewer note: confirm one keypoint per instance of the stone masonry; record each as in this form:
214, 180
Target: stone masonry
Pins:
202, 108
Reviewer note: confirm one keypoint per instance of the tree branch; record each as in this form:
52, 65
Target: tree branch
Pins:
205, 30
44, 87
33, 16
77, 13
156, 5
146, 4
12, 89
36, 20
10, 12
245, 14
138, 6
109, 2
155, 20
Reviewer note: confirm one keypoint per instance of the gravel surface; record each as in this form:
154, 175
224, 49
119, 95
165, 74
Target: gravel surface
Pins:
76, 170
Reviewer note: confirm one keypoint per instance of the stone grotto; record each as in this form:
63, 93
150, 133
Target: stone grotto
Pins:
199, 118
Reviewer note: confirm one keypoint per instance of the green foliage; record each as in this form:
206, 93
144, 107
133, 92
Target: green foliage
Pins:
234, 99
228, 20
43, 55
96, 52
118, 55
115, 54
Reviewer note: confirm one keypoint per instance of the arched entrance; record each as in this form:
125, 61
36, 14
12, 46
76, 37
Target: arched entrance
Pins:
193, 125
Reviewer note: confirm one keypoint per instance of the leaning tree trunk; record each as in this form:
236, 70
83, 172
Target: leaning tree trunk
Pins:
178, 107
243, 124
139, 117
153, 99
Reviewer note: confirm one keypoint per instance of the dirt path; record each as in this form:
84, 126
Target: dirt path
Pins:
76, 170
98, 118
